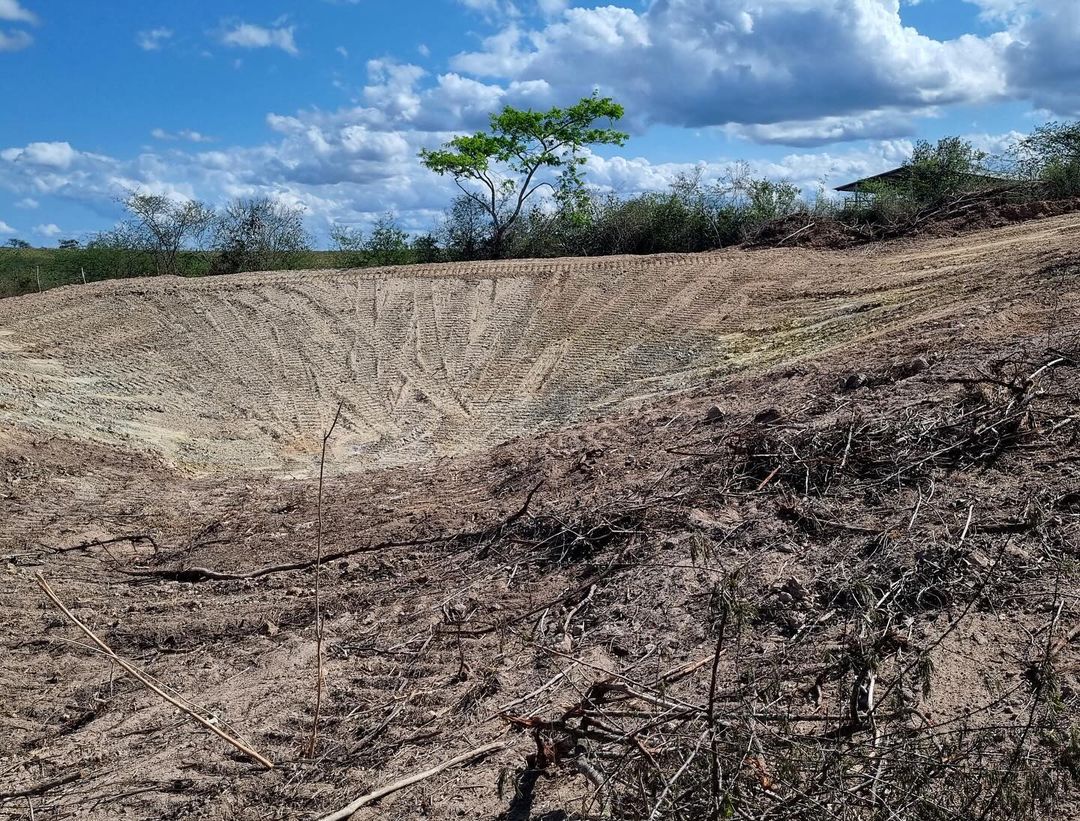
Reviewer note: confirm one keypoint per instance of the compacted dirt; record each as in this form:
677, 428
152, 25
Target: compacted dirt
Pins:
243, 372
791, 532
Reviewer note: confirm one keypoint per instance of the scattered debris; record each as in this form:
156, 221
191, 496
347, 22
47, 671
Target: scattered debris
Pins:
833, 604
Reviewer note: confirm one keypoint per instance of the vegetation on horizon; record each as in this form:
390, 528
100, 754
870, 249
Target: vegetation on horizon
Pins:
501, 214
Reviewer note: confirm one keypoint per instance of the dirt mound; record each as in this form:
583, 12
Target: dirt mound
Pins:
803, 231
243, 372
994, 211
839, 581
996, 214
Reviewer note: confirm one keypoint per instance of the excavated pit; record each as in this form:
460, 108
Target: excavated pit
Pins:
891, 487
244, 373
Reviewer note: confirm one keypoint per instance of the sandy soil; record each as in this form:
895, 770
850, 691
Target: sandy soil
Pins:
243, 373
563, 501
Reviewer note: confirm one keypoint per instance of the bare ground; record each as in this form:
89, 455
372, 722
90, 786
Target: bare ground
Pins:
243, 372
645, 603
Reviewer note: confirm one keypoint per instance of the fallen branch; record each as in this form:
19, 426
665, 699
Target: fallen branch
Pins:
408, 781
146, 680
134, 539
551, 682
1063, 642
43, 787
794, 234
657, 811
206, 574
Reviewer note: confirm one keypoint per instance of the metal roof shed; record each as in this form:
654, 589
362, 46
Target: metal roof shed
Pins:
899, 176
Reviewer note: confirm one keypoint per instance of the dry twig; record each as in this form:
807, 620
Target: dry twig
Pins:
43, 787
408, 781
146, 679
318, 603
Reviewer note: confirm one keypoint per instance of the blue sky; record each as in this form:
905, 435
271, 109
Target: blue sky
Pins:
324, 103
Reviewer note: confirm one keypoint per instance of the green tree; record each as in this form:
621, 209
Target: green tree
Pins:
465, 229
425, 248
939, 171
259, 235
164, 227
349, 244
388, 244
1050, 155
522, 151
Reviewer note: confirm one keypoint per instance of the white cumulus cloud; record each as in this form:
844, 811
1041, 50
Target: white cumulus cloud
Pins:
12, 11
48, 155
1043, 61
249, 35
15, 40
153, 39
698, 63
186, 135
633, 175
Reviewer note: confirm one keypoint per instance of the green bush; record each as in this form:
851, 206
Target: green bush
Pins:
936, 174
939, 172
691, 216
259, 235
1050, 157
1061, 178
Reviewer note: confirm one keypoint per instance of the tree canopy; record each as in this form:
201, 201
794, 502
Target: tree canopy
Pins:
939, 171
258, 234
163, 227
1051, 155
522, 151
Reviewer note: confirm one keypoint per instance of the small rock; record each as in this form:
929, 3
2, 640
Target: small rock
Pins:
917, 365
910, 367
796, 589
720, 522
714, 414
270, 629
701, 519
768, 416
853, 381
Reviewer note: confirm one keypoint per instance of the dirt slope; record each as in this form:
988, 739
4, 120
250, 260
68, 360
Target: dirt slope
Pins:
243, 372
887, 492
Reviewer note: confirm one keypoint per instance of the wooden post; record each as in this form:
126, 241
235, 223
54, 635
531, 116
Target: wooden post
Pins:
37, 272
83, 272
